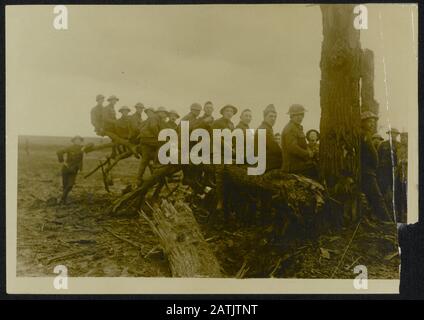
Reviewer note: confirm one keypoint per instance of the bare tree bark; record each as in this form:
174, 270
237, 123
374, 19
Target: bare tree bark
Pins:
340, 103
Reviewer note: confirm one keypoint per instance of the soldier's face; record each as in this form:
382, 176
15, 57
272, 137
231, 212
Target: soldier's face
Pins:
125, 113
208, 109
100, 100
298, 118
149, 113
173, 117
270, 118
404, 139
246, 117
394, 136
195, 112
228, 113
112, 102
313, 137
370, 125
162, 115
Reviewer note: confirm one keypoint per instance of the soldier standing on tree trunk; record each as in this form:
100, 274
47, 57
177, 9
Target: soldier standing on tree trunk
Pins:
227, 112
109, 125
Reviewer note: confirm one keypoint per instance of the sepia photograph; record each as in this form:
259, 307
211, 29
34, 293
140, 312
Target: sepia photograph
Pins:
268, 148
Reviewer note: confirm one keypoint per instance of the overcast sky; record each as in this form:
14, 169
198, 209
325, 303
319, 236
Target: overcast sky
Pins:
246, 55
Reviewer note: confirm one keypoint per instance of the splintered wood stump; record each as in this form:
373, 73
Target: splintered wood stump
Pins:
188, 253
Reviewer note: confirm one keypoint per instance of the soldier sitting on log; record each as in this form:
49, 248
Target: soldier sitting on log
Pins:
123, 126
273, 150
96, 114
149, 143
109, 125
245, 119
206, 120
172, 120
192, 116
136, 120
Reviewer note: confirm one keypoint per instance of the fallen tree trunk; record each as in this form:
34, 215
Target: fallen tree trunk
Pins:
297, 192
188, 253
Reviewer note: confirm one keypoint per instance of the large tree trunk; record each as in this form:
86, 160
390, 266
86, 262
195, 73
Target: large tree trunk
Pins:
187, 251
340, 104
368, 102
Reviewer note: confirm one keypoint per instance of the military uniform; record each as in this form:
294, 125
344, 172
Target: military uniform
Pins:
242, 125
71, 165
135, 121
222, 123
149, 143
370, 187
387, 154
273, 150
96, 115
123, 127
296, 158
171, 125
192, 120
109, 118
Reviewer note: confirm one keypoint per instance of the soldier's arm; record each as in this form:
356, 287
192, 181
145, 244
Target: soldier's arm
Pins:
81, 162
60, 154
293, 147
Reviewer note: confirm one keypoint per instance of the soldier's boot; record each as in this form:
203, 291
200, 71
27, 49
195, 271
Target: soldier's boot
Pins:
64, 198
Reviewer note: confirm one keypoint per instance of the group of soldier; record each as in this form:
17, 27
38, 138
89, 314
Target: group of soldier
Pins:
384, 170
293, 151
131, 134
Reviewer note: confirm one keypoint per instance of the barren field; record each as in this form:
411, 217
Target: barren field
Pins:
82, 236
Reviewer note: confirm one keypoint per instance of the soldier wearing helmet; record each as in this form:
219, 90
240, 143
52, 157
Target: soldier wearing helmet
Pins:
297, 158
273, 150
149, 143
193, 115
72, 163
123, 124
96, 114
369, 164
